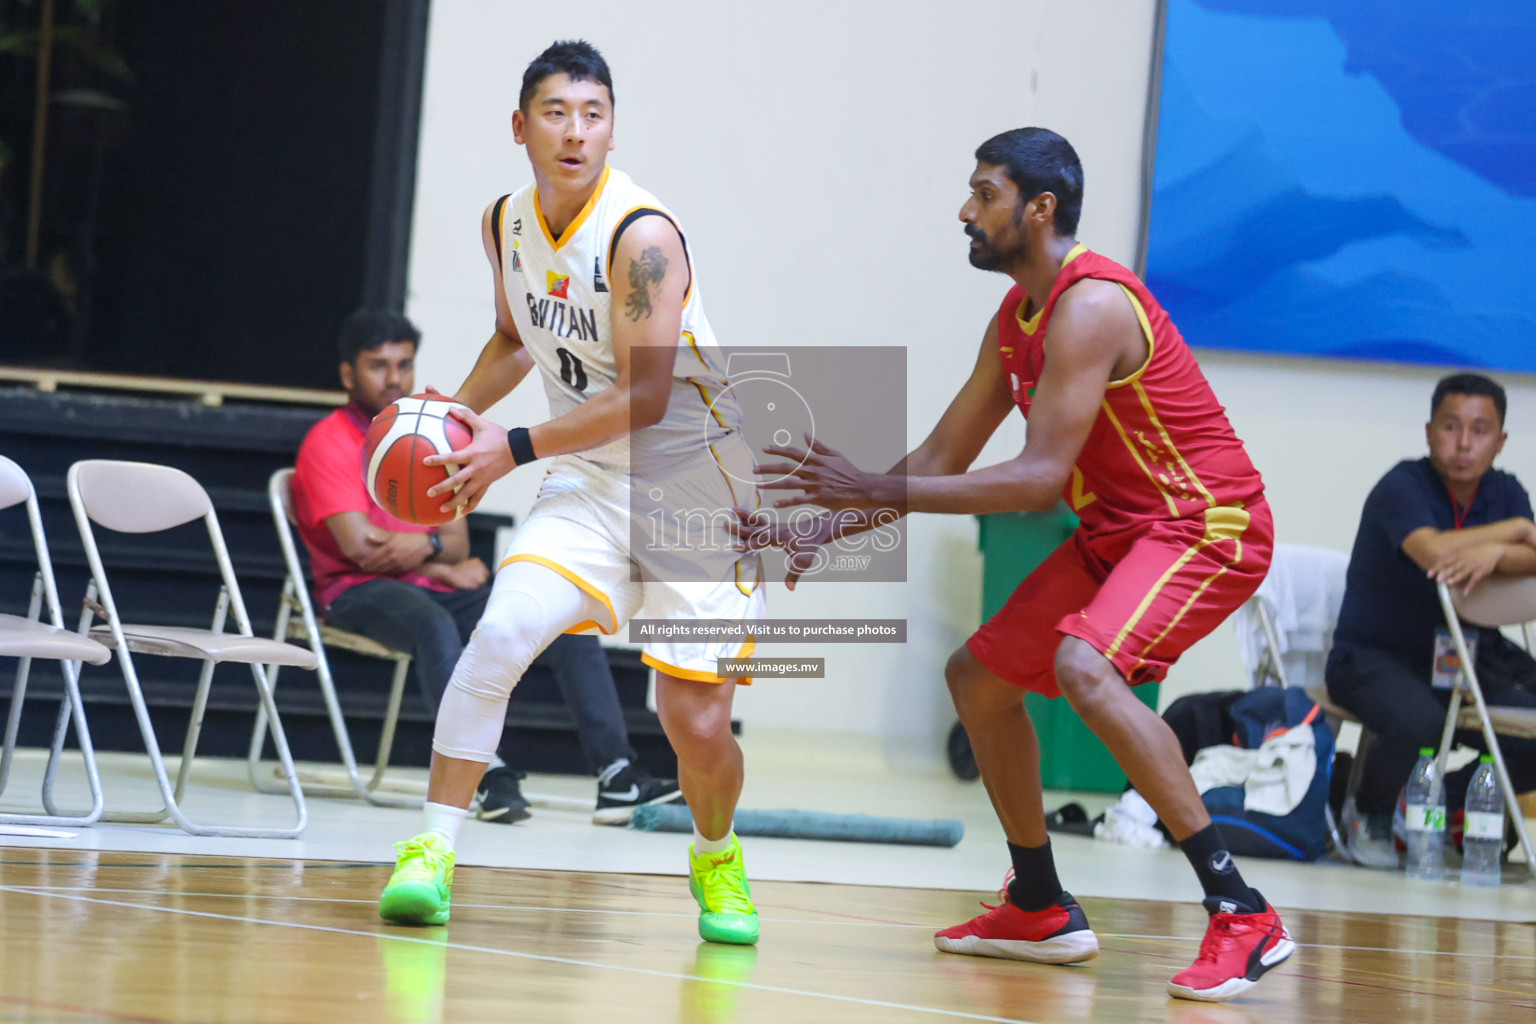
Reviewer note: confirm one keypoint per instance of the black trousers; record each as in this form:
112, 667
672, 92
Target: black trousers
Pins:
435, 625
1394, 699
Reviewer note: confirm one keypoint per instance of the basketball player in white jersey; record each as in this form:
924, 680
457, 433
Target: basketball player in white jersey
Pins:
595, 290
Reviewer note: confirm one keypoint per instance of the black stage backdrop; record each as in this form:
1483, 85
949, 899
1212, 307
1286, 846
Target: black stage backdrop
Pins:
264, 189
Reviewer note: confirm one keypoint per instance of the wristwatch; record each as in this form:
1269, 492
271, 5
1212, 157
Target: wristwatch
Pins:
437, 545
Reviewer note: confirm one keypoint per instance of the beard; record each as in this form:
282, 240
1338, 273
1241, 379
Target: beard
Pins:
987, 254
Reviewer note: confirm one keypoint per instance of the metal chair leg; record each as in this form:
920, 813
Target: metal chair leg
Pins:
356, 786
391, 720
200, 701
70, 706
1474, 688
19, 689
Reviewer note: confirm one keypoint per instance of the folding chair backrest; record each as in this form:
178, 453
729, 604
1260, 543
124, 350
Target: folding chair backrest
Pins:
15, 485
15, 488
141, 497
280, 490
1293, 614
137, 497
1499, 601
280, 497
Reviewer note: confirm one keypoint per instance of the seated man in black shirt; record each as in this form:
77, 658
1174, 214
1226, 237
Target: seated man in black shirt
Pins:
1450, 517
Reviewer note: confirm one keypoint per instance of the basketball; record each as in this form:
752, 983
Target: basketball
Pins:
397, 440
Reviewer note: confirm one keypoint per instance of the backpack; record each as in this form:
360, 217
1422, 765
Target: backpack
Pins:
1303, 833
1202, 720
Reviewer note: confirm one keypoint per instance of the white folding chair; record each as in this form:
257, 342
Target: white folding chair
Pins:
318, 636
1286, 629
1297, 573
30, 637
137, 497
1496, 602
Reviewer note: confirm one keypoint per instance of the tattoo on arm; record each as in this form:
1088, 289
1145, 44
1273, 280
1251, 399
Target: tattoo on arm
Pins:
647, 270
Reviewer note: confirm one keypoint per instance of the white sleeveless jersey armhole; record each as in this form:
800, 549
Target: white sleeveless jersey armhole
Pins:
559, 293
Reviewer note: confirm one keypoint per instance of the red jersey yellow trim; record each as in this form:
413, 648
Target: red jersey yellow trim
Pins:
1130, 446
1146, 403
1146, 328
1032, 325
581, 218
1226, 522
1079, 499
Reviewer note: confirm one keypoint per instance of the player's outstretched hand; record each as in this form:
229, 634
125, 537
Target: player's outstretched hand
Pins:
824, 476
799, 540
481, 463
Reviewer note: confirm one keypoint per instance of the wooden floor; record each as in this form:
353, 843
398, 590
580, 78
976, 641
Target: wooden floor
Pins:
127, 937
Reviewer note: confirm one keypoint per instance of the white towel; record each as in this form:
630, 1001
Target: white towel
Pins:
1131, 822
1302, 595
1275, 778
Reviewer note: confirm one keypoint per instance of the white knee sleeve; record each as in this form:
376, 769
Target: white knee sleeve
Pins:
530, 605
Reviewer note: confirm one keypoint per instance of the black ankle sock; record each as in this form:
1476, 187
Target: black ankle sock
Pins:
1219, 877
1035, 885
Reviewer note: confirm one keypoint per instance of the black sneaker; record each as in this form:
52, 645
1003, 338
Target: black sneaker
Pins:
500, 798
622, 788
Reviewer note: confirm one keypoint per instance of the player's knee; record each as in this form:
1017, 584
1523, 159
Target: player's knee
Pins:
695, 726
1084, 675
969, 685
499, 652
958, 673
694, 733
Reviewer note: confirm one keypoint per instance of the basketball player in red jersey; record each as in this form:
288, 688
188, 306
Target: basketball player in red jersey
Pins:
1175, 534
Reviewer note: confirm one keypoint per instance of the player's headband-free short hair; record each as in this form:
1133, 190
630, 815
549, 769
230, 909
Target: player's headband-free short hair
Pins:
1469, 384
367, 329
575, 58
1038, 160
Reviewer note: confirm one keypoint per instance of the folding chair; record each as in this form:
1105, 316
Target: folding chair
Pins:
1495, 602
1297, 569
308, 628
28, 638
137, 497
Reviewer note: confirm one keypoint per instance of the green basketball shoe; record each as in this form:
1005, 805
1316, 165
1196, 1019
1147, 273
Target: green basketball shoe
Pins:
719, 882
419, 890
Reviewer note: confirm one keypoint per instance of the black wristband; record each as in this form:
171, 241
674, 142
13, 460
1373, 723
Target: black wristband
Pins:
521, 445
437, 545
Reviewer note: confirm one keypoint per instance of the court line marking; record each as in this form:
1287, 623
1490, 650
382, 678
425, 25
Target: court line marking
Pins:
45, 889
541, 957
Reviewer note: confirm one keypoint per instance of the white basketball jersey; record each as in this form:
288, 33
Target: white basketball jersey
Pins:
559, 293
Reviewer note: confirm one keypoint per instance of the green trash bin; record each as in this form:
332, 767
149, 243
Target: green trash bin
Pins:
1071, 756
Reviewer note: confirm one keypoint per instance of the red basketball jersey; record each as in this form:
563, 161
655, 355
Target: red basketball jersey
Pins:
1162, 447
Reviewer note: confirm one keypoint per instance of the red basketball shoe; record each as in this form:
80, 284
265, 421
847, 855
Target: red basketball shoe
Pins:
1059, 934
1237, 951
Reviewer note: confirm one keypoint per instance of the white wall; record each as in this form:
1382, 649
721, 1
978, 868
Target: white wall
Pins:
1322, 434
817, 154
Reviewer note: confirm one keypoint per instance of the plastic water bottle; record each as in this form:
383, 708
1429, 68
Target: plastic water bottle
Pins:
1426, 819
1483, 836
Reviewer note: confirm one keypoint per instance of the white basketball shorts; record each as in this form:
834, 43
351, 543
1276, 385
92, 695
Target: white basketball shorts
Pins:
652, 549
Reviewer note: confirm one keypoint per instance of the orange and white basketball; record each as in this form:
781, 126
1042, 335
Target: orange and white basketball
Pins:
397, 440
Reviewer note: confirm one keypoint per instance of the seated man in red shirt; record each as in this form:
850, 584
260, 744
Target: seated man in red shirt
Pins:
417, 588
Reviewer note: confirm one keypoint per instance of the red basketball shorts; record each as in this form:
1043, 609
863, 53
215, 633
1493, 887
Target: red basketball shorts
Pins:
1141, 597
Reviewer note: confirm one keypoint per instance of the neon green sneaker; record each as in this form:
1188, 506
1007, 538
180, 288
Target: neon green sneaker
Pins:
719, 882
419, 890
